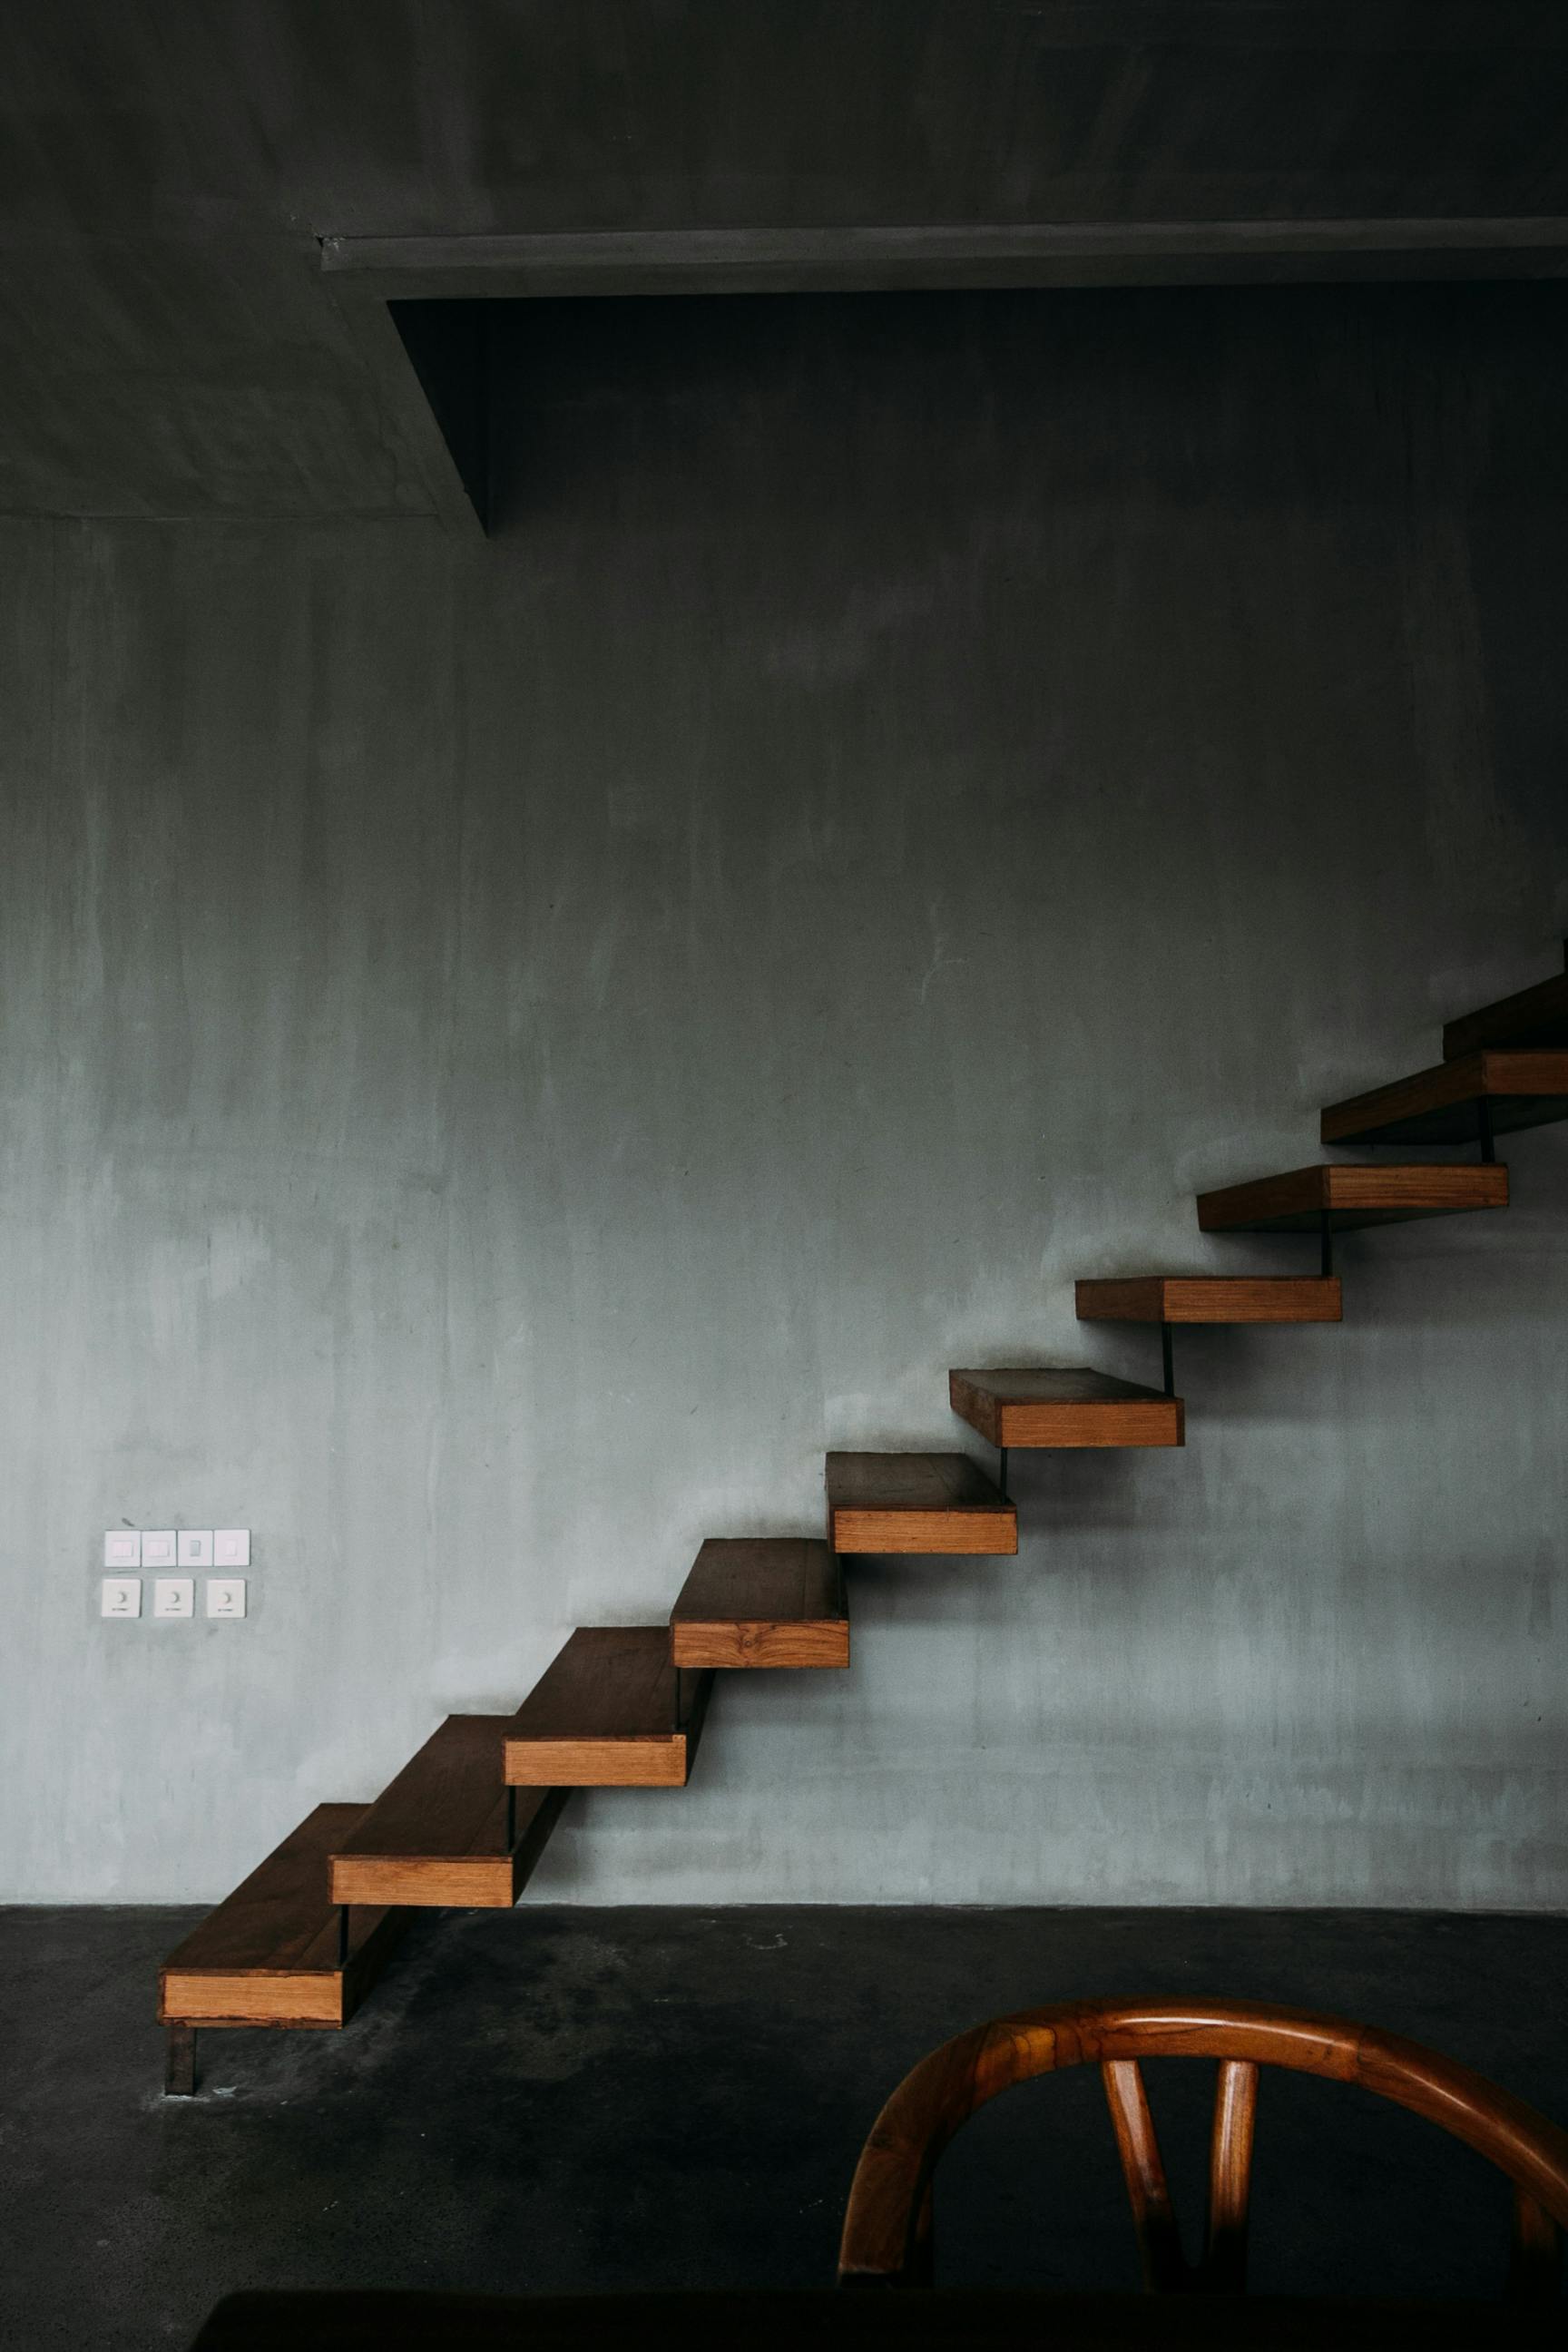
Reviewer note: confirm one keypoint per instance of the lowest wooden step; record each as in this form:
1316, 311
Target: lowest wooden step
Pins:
1046, 1405
917, 1503
1211, 1299
271, 1953
1351, 1196
762, 1602
612, 1710
1535, 1017
447, 1831
1463, 1101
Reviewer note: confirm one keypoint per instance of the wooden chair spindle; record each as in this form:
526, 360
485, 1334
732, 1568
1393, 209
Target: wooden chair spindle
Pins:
1153, 2215
1224, 2268
1535, 2258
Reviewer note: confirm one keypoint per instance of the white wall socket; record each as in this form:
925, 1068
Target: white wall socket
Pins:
158, 1547
175, 1596
231, 1547
120, 1597
195, 1548
121, 1547
225, 1596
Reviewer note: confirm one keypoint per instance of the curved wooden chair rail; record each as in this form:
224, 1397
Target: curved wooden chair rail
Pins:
888, 2225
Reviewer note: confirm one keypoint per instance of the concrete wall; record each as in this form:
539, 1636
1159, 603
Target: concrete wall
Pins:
508, 1054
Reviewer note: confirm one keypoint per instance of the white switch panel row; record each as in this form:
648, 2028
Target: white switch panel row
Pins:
176, 1548
173, 1596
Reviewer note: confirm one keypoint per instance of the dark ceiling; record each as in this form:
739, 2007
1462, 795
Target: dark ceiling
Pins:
172, 348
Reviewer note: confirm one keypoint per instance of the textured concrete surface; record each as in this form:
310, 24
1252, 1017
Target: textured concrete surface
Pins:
557, 2100
508, 1054
171, 350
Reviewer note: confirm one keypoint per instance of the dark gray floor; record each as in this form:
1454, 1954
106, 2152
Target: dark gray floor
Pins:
557, 2099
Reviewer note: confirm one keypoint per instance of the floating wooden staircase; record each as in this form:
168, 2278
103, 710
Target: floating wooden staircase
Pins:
299, 1941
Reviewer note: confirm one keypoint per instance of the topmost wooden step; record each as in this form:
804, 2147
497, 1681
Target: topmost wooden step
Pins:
1456, 1102
1536, 1017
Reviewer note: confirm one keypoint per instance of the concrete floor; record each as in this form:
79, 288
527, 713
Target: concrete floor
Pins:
564, 2098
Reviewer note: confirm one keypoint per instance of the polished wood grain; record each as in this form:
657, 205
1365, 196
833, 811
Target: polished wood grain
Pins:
1153, 2215
1536, 1017
1223, 2270
611, 1711
1217, 1298
893, 2178
1352, 1196
762, 1602
916, 1503
991, 2319
445, 1832
270, 1954
1044, 1405
1442, 1105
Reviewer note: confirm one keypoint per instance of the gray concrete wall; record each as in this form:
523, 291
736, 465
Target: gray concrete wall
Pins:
509, 1054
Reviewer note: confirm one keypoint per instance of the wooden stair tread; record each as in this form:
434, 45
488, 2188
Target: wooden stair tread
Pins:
1535, 1017
917, 1503
268, 1955
1442, 1105
762, 1602
604, 1715
1038, 1406
1352, 1196
439, 1834
1211, 1299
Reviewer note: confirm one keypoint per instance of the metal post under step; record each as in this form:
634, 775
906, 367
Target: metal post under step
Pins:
1326, 1242
1168, 1359
180, 2063
1484, 1128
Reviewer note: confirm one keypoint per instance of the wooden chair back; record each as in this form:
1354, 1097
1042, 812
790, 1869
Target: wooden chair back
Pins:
887, 2226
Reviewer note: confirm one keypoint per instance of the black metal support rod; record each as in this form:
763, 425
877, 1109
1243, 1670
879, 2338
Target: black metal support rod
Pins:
510, 1817
180, 2063
679, 1710
1484, 1128
1168, 1358
1326, 1239
1001, 1471
342, 1934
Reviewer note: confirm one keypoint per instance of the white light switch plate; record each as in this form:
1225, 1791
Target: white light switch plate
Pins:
121, 1547
195, 1547
175, 1596
120, 1597
225, 1596
157, 1546
231, 1547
